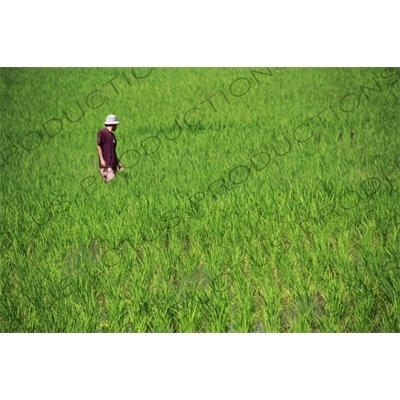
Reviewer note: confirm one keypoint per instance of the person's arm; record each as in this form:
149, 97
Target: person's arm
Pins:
102, 162
100, 142
120, 166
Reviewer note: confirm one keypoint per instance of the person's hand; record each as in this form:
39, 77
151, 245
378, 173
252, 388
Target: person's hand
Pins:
121, 167
102, 164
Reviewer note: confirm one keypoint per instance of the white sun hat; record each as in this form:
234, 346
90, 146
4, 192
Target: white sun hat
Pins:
111, 120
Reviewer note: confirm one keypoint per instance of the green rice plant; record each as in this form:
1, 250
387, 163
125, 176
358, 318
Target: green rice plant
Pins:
253, 200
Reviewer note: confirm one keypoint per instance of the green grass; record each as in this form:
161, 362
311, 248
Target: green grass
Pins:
272, 209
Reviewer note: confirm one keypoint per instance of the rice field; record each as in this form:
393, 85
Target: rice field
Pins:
252, 200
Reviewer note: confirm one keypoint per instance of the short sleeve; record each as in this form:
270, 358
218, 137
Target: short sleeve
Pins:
100, 138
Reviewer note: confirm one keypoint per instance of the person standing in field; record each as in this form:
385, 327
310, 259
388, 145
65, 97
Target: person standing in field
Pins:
106, 144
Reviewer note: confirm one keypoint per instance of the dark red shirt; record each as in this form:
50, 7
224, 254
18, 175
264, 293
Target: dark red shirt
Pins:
108, 142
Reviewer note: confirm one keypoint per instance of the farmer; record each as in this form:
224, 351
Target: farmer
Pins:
106, 144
